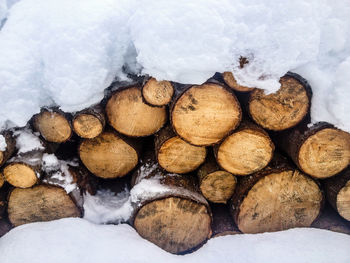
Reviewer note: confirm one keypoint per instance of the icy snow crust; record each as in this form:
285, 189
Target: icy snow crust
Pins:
62, 52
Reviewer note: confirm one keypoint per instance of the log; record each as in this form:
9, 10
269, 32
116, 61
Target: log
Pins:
320, 150
277, 198
53, 125
90, 122
216, 185
3, 202
232, 83
204, 114
5, 226
338, 193
129, 115
175, 155
40, 203
157, 93
247, 150
2, 179
173, 215
10, 147
109, 155
223, 224
283, 109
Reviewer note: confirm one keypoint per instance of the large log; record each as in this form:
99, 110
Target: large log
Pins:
157, 93
247, 150
175, 155
320, 150
277, 198
129, 115
10, 147
204, 114
109, 155
283, 109
172, 215
223, 224
40, 203
338, 193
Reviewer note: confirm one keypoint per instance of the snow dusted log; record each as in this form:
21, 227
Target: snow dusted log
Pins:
53, 125
9, 149
40, 203
5, 226
338, 193
222, 221
277, 198
204, 114
320, 151
157, 93
175, 155
129, 115
89, 123
283, 109
247, 150
109, 155
232, 83
170, 212
216, 185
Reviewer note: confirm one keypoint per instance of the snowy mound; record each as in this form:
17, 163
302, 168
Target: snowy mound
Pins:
76, 240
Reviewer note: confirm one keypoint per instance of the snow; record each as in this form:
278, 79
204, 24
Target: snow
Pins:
3, 144
77, 240
27, 141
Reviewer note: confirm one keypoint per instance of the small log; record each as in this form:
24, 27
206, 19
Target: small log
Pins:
204, 114
283, 109
223, 224
40, 203
90, 122
277, 198
5, 226
174, 216
129, 115
157, 93
109, 155
247, 150
232, 83
175, 155
338, 193
10, 147
320, 151
216, 185
53, 125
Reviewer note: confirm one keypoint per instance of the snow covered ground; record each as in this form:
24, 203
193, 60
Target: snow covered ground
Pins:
76, 240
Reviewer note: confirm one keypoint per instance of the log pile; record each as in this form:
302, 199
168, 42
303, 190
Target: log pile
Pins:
202, 160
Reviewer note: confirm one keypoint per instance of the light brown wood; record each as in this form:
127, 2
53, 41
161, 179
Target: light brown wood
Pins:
129, 115
283, 109
87, 126
20, 175
232, 83
53, 126
108, 155
343, 201
157, 93
40, 203
203, 115
2, 180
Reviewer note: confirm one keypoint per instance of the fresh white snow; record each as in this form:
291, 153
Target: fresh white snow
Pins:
27, 141
3, 144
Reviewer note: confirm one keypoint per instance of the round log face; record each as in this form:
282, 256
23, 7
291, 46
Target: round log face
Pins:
108, 156
280, 201
325, 153
218, 187
158, 93
20, 175
281, 110
245, 152
343, 201
204, 114
87, 126
129, 115
177, 156
40, 203
174, 224
232, 83
53, 126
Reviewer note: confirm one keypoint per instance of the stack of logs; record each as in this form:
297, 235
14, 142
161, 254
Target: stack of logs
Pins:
234, 160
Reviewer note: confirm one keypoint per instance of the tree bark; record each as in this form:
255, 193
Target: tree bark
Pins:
157, 93
222, 221
5, 226
10, 147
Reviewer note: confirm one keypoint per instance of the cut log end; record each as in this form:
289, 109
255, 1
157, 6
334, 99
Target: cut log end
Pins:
108, 156
129, 115
283, 109
87, 126
218, 187
2, 180
174, 224
325, 153
157, 93
232, 83
40, 203
245, 152
20, 175
280, 201
203, 115
343, 201
177, 156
